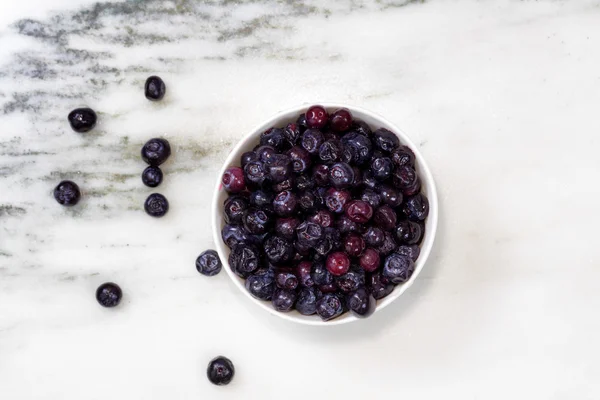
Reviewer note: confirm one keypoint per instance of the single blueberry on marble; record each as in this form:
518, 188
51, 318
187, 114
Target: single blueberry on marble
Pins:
155, 88
152, 176
67, 193
220, 371
208, 263
109, 294
82, 119
156, 205
156, 151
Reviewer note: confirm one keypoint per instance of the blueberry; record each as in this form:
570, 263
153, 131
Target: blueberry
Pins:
413, 189
390, 196
322, 217
361, 303
286, 227
336, 200
320, 275
247, 157
329, 307
82, 119
255, 172
331, 241
412, 251
304, 270
152, 176
67, 193
155, 88
361, 127
330, 151
261, 198
257, 221
285, 203
261, 285
321, 174
306, 304
278, 250
233, 180
156, 151
244, 260
345, 225
385, 140
354, 245
359, 211
379, 286
341, 120
385, 218
301, 160
369, 260
416, 208
398, 268
301, 122
337, 263
311, 140
156, 205
330, 288
350, 281
388, 245
273, 137
403, 156
408, 232
405, 177
234, 235
374, 236
109, 294
291, 133
341, 175
286, 280
357, 148
279, 167
316, 117
382, 168
371, 197
309, 234
307, 201
208, 263
283, 299
304, 182
265, 153
220, 371
369, 181
282, 186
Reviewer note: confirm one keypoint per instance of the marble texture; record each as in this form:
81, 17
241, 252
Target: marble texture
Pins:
501, 96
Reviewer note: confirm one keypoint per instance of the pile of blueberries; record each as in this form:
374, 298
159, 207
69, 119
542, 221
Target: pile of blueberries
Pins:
324, 215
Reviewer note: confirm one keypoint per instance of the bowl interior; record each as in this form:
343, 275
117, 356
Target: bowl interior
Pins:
281, 119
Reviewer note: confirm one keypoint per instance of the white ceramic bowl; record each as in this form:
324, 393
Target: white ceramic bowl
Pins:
249, 141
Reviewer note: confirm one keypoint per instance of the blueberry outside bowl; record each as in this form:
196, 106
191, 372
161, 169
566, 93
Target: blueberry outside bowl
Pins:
281, 119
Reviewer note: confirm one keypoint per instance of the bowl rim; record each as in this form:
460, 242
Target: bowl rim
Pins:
292, 113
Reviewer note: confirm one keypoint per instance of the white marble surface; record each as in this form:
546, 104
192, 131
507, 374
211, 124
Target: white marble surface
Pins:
502, 96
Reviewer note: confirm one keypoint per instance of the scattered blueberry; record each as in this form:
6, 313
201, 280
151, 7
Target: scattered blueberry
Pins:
156, 205
220, 371
109, 294
82, 119
156, 151
155, 88
208, 263
67, 193
152, 176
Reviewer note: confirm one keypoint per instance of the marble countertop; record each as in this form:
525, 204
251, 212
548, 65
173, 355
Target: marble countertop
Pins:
502, 98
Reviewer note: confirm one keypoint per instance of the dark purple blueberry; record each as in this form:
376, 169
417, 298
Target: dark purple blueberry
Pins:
335, 200
261, 285
385, 218
374, 236
255, 172
244, 260
279, 168
389, 244
301, 160
282, 186
291, 133
283, 299
361, 303
390, 196
382, 168
414, 189
285, 203
337, 263
233, 180
220, 371
408, 232
311, 140
341, 120
208, 263
369, 260
380, 286
398, 268
156, 205
306, 304
330, 151
304, 182
404, 177
304, 271
371, 197
273, 137
286, 280
331, 241
341, 175
357, 148
234, 208
82, 119
369, 181
247, 157
309, 233
152, 176
257, 221
360, 126
385, 140
261, 199
156, 151
329, 307
358, 177
403, 156
265, 153
416, 208
301, 122
321, 174
109, 294
359, 211
346, 225
412, 251
320, 275
155, 88
350, 281
316, 117
303, 249
329, 288
234, 235
307, 201
322, 217
320, 196
286, 227
354, 245
278, 250
67, 193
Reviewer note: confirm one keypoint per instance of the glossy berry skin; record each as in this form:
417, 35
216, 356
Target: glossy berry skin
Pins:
329, 307
155, 88
416, 208
156, 205
368, 181
309, 234
336, 200
337, 263
357, 148
82, 119
220, 371
273, 137
306, 304
304, 270
286, 280
285, 203
287, 184
403, 156
283, 299
361, 127
390, 196
330, 288
286, 227
345, 225
412, 251
323, 218
261, 285
278, 250
379, 286
152, 176
374, 236
398, 268
307, 202
361, 303
413, 189
359, 211
371, 197
350, 281
208, 263
301, 160
331, 241
304, 182
385, 140
405, 177
244, 260
279, 168
321, 174
248, 157
67, 193
109, 294
316, 117
261, 198
381, 168
257, 221
341, 120
408, 232
330, 151
233, 180
369, 260
291, 133
320, 275
354, 245
388, 245
385, 218
255, 172
156, 151
311, 140
265, 152
341, 175
234, 235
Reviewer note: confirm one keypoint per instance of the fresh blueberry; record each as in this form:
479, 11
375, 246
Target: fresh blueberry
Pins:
368, 180
341, 120
155, 88
330, 288
208, 263
350, 281
247, 157
405, 177
109, 294
369, 260
285, 203
304, 270
316, 117
390, 196
261, 285
82, 119
152, 176
278, 250
301, 122
286, 280
257, 221
385, 140
398, 268
359, 211
279, 167
345, 225
336, 200
416, 208
255, 172
320, 275
330, 151
307, 201
220, 371
357, 148
273, 137
286, 227
361, 303
234, 235
403, 156
301, 160
414, 189
156, 205
283, 299
304, 182
321, 174
322, 217
306, 304
282, 186
361, 127
385, 218
388, 245
354, 245
338, 263
261, 198
311, 140
244, 260
341, 175
412, 251
233, 180
329, 307
265, 152
291, 133
382, 168
156, 151
408, 232
331, 241
374, 236
67, 193
379, 286
309, 234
